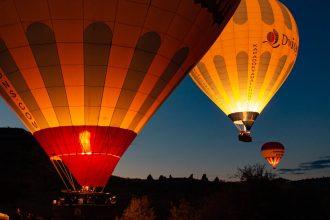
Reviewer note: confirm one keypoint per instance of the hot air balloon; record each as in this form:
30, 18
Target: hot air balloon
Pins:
249, 62
85, 76
273, 153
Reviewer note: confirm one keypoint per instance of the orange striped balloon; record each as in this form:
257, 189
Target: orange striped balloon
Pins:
249, 61
86, 75
273, 153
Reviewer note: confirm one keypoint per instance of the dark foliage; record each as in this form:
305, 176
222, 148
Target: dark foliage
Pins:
150, 178
254, 173
216, 180
162, 178
204, 178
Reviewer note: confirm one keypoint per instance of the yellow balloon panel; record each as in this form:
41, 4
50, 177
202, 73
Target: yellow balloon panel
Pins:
251, 58
100, 62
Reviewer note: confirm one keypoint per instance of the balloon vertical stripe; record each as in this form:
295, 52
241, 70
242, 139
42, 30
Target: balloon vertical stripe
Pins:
241, 16
43, 45
262, 71
11, 71
144, 54
13, 105
266, 10
278, 70
242, 70
97, 44
171, 69
286, 15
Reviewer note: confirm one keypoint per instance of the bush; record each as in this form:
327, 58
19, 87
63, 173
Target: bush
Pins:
216, 180
150, 178
139, 209
183, 212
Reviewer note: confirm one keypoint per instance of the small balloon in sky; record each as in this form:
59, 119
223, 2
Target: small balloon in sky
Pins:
273, 153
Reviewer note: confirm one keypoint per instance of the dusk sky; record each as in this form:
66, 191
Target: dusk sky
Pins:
189, 134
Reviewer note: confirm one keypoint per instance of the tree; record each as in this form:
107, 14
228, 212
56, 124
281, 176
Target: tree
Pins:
191, 177
216, 180
139, 209
150, 178
204, 178
255, 172
161, 178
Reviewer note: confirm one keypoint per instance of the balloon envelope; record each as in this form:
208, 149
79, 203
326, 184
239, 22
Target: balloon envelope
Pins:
85, 76
273, 152
249, 61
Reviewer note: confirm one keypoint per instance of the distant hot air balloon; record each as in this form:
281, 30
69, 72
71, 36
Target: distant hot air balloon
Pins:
85, 76
273, 153
249, 61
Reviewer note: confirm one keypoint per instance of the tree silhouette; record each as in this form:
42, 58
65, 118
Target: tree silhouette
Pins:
255, 172
216, 180
150, 178
204, 178
161, 178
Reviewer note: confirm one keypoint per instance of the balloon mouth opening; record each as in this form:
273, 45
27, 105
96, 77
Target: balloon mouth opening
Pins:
85, 155
247, 118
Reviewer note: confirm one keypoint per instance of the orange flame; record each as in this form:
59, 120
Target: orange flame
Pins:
273, 161
85, 142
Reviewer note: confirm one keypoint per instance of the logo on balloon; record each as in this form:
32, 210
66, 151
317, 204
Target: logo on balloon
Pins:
272, 39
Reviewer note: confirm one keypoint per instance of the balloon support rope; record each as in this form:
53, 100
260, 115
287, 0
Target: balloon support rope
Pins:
64, 174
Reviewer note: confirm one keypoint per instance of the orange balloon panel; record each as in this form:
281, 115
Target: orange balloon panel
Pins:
100, 62
250, 60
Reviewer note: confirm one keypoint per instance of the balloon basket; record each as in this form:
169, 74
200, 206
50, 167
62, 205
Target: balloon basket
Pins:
85, 205
245, 137
85, 198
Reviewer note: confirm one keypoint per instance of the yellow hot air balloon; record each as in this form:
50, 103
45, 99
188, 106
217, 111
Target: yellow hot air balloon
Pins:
85, 76
249, 61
